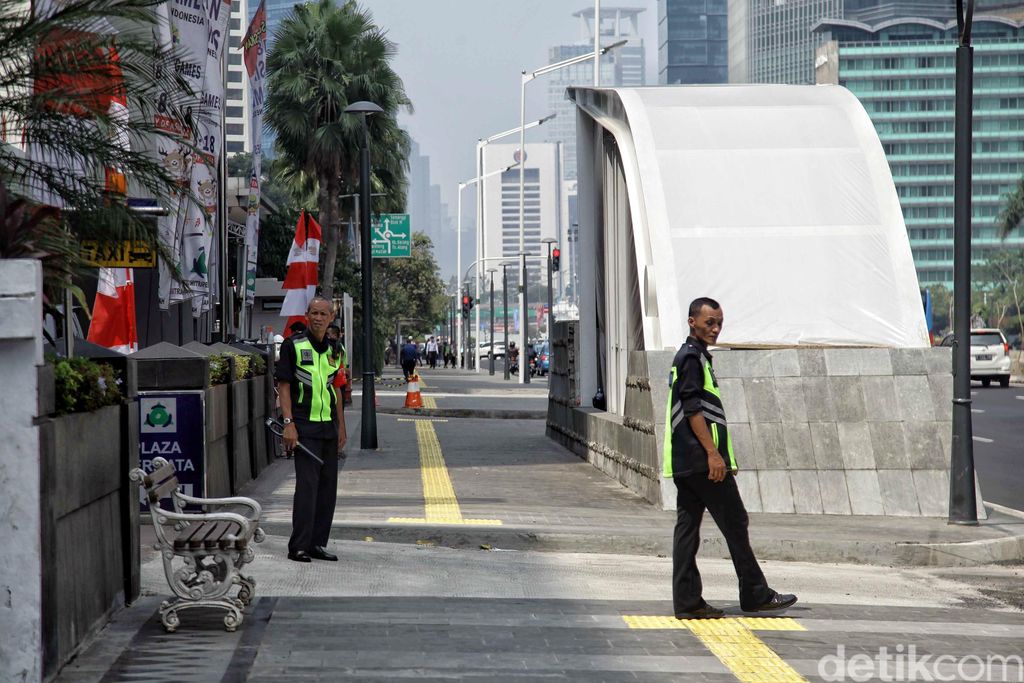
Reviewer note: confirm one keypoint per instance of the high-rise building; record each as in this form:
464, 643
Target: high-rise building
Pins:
770, 41
276, 11
693, 41
237, 94
427, 213
623, 66
903, 72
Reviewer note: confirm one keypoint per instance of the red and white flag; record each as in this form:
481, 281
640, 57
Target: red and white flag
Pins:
113, 315
301, 280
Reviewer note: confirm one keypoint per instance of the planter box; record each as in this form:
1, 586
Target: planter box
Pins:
257, 430
241, 458
218, 467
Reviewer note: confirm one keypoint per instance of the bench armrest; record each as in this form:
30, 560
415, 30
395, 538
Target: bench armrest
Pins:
238, 500
247, 525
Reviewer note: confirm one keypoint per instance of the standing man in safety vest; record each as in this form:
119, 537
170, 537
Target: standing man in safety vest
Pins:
312, 415
698, 456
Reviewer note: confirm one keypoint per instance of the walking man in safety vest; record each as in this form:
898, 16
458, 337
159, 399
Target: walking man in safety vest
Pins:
698, 456
312, 415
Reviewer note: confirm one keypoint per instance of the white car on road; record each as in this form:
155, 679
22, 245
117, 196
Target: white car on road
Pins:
990, 356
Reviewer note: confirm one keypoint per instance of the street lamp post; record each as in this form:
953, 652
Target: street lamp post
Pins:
504, 303
525, 78
492, 271
368, 430
962, 502
551, 304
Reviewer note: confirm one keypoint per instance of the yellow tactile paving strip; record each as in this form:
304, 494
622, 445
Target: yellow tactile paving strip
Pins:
732, 640
440, 502
429, 402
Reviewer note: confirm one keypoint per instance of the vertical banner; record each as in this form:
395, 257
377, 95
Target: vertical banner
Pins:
197, 32
254, 47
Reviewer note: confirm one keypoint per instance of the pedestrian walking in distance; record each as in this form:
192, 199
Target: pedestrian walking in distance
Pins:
312, 416
408, 356
698, 456
432, 353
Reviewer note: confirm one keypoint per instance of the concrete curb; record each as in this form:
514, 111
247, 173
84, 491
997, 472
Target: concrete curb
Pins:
905, 554
466, 412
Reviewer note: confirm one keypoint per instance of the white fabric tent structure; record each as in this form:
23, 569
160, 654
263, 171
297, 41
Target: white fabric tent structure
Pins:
775, 200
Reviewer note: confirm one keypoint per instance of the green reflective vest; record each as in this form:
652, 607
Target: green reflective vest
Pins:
682, 453
314, 372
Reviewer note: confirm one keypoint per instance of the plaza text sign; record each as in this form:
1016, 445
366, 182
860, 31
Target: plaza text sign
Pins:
172, 426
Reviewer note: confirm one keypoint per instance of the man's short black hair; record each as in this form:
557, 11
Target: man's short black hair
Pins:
701, 302
334, 326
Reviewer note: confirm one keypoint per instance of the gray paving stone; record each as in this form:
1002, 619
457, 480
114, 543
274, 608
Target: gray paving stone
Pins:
828, 454
855, 442
938, 360
785, 363
769, 445
899, 496
734, 400
888, 445
818, 400
880, 403
756, 363
907, 361
762, 399
875, 362
728, 363
835, 499
742, 444
942, 395
915, 398
806, 494
848, 398
812, 362
799, 451
776, 491
865, 496
924, 446
843, 361
932, 488
790, 394
750, 491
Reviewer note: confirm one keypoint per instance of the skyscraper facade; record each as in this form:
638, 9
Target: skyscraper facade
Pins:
693, 41
237, 95
903, 72
772, 41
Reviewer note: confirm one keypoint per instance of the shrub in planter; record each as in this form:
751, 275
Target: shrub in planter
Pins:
259, 365
82, 385
243, 365
220, 369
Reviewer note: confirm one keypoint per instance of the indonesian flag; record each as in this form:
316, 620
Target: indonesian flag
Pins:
301, 280
113, 316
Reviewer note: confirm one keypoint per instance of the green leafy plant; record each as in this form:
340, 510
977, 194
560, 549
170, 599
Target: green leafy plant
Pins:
82, 385
243, 365
259, 365
220, 369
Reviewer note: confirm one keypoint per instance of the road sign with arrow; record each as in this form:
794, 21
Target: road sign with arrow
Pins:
392, 236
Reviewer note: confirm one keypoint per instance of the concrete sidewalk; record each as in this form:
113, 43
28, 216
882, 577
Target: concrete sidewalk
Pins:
546, 498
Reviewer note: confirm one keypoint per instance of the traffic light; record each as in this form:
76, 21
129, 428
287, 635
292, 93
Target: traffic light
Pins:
467, 304
556, 253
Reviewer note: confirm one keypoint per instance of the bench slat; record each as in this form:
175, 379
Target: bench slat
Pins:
163, 490
158, 476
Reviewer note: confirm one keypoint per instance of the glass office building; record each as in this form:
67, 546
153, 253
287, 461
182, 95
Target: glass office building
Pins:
693, 41
903, 72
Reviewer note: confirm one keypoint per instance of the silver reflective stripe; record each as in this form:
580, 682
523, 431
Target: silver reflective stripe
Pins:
713, 408
711, 417
676, 407
304, 377
676, 420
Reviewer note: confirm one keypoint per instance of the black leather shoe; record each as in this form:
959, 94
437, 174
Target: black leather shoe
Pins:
705, 611
318, 553
299, 556
778, 601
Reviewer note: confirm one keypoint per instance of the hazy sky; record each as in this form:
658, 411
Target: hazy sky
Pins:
461, 59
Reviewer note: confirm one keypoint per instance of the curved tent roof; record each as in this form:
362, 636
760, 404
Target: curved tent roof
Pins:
775, 200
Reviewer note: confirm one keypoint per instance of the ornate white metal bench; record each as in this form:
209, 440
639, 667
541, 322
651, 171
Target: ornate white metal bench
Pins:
214, 546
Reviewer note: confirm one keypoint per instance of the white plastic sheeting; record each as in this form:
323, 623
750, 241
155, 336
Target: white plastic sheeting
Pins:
775, 200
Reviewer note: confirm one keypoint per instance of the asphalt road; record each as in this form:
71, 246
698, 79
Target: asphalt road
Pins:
999, 443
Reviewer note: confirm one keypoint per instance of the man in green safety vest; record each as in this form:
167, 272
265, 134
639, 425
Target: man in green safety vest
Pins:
699, 457
312, 414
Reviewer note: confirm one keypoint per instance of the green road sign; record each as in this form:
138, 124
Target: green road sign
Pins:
392, 236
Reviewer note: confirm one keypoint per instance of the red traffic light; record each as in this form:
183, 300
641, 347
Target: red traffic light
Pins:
465, 300
555, 253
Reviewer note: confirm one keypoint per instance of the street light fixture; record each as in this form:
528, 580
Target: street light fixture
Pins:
492, 271
525, 78
551, 303
504, 301
368, 430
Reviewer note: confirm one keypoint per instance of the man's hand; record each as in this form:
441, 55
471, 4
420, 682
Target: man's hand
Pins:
290, 436
716, 466
342, 440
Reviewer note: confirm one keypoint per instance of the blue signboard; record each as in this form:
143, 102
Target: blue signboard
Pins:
172, 426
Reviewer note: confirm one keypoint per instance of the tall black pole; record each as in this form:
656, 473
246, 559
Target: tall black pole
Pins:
491, 372
504, 305
524, 357
962, 502
551, 300
368, 432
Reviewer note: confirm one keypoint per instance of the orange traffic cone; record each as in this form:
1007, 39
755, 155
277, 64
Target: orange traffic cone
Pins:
412, 393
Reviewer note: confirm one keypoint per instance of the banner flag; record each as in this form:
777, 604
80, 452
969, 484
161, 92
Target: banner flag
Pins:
254, 48
301, 279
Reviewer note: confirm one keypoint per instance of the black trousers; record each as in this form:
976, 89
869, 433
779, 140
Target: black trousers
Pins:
316, 493
408, 368
695, 494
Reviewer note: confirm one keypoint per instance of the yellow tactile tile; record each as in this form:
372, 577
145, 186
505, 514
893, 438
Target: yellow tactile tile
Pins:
429, 402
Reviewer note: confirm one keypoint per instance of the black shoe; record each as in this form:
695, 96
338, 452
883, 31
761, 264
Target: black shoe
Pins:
778, 601
319, 553
299, 556
705, 611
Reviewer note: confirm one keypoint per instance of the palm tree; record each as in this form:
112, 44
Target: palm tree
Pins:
1012, 215
324, 58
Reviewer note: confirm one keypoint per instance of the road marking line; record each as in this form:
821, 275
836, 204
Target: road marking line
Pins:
422, 383
422, 419
733, 642
429, 402
440, 504
977, 410
982, 439
1019, 398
